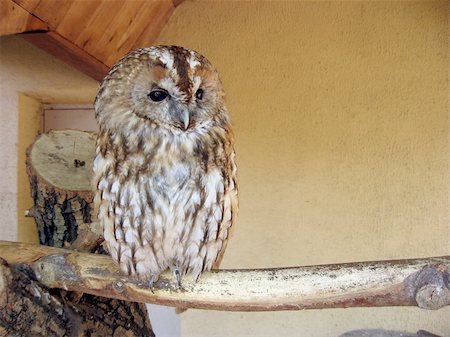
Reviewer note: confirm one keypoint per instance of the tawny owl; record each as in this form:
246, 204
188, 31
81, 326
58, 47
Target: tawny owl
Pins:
165, 169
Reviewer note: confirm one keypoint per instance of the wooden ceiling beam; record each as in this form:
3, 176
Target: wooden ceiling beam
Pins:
141, 34
66, 51
14, 19
51, 11
28, 5
177, 2
85, 34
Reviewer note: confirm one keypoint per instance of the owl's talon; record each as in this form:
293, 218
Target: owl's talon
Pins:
151, 284
177, 274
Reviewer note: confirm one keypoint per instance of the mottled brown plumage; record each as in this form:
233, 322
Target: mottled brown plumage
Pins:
165, 172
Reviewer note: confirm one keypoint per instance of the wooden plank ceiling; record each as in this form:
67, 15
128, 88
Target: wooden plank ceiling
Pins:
89, 35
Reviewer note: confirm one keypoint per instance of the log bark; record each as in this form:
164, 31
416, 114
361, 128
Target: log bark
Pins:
417, 282
59, 165
30, 309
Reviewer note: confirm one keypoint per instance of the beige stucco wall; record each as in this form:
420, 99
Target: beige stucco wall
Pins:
29, 77
341, 115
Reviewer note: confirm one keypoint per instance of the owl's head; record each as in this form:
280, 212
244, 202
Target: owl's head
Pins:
163, 86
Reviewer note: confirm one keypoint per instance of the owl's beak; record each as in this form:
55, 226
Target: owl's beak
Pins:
185, 118
180, 115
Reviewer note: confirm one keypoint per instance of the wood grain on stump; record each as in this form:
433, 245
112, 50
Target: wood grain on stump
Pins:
59, 165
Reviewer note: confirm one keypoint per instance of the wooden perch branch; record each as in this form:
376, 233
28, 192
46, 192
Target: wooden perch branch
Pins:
416, 282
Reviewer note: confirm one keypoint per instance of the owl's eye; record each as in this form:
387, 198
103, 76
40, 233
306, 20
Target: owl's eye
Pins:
199, 94
158, 95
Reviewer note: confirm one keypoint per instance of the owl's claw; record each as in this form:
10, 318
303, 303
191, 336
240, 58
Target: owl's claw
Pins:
177, 274
151, 284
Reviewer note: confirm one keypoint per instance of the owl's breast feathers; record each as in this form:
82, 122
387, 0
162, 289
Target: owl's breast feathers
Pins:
166, 200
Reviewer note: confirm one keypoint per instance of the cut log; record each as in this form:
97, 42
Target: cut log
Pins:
59, 165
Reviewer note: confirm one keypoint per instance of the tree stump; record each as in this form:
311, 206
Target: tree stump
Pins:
59, 165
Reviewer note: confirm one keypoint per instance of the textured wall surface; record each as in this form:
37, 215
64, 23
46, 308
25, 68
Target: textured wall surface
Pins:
341, 116
29, 77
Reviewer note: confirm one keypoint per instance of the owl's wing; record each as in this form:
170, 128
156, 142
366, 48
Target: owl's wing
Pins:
227, 206
230, 210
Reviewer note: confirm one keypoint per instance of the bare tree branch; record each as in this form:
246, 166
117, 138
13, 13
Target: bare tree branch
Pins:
416, 282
